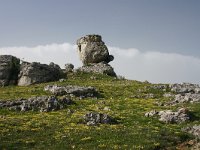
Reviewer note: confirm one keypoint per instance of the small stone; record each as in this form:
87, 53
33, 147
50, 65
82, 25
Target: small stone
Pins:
94, 118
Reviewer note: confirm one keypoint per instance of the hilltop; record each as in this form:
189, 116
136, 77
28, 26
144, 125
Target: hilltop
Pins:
45, 107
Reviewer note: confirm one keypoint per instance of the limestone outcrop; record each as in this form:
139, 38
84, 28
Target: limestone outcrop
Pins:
101, 68
78, 91
9, 69
41, 103
32, 73
169, 116
92, 49
94, 55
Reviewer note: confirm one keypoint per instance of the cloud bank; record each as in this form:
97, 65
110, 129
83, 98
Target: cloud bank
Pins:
131, 63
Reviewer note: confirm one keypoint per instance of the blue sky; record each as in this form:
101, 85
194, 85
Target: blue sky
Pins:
170, 26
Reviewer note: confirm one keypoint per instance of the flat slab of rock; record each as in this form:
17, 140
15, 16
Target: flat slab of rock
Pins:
42, 104
169, 116
33, 73
9, 69
94, 118
99, 68
78, 91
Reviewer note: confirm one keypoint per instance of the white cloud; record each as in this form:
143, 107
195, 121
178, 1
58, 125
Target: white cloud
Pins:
57, 53
131, 63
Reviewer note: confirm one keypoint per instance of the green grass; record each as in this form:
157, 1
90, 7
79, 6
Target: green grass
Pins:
62, 130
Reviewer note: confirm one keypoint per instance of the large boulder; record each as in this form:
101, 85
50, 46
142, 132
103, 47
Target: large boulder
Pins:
9, 69
92, 49
99, 68
33, 73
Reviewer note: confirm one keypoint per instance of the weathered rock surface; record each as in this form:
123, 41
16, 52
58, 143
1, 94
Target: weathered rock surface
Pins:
94, 118
74, 90
9, 69
92, 49
185, 93
69, 68
32, 73
99, 68
195, 130
185, 88
42, 104
168, 116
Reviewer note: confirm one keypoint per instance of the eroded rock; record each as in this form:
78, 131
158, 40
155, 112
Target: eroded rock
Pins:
169, 116
33, 73
92, 49
195, 130
185, 93
94, 118
99, 68
42, 104
9, 69
74, 90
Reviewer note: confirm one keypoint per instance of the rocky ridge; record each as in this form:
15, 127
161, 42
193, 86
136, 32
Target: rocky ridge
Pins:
42, 104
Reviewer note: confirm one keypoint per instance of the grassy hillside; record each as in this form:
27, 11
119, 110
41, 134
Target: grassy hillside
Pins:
63, 129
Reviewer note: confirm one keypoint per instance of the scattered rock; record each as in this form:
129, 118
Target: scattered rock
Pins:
62, 80
74, 90
42, 104
195, 130
168, 116
99, 68
186, 93
94, 118
151, 113
69, 68
168, 95
185, 88
159, 87
92, 49
9, 69
144, 96
32, 73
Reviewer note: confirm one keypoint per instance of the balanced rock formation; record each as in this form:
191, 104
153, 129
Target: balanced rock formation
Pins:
9, 69
94, 55
32, 73
92, 49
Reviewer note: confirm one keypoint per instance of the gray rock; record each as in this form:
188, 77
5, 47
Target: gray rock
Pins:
9, 69
92, 49
74, 90
195, 130
151, 113
94, 118
186, 93
42, 104
168, 116
99, 68
69, 68
33, 73
185, 88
